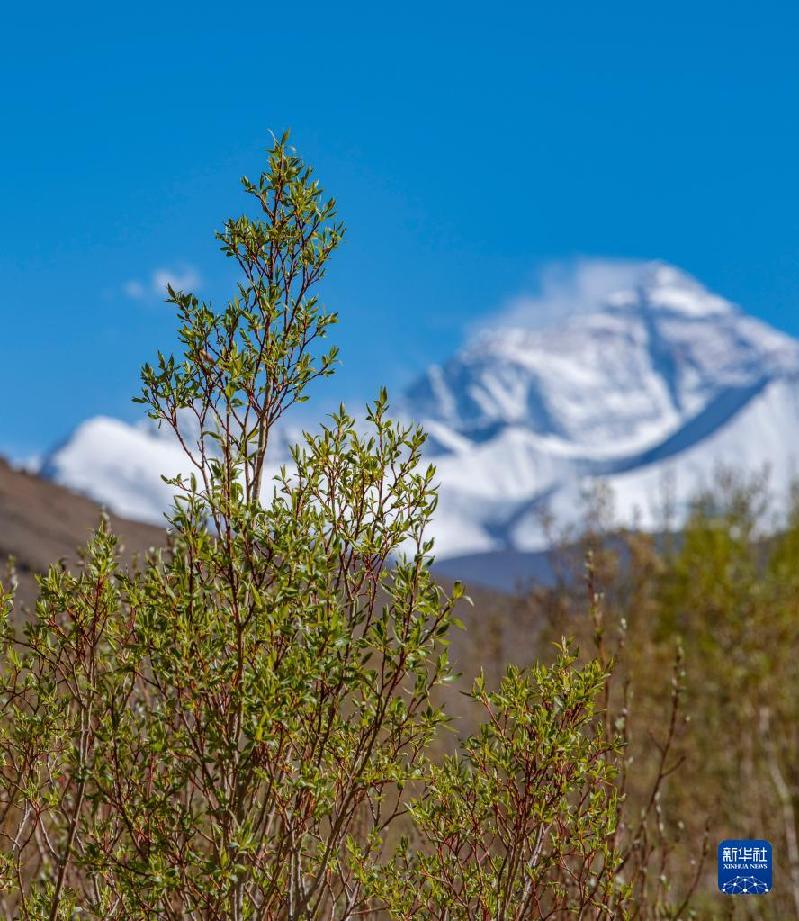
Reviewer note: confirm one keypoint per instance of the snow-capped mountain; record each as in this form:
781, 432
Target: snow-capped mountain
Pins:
648, 387
650, 390
119, 465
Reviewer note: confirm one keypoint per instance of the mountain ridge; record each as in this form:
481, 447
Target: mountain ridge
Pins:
659, 378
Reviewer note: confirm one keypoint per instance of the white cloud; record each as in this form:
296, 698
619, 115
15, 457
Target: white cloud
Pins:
185, 278
568, 288
134, 289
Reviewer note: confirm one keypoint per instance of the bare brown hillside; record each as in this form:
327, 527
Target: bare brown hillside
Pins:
41, 523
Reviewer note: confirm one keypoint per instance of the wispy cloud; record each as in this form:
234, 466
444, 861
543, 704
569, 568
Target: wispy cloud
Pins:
185, 278
134, 289
565, 289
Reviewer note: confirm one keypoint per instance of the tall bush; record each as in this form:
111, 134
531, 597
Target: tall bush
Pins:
241, 727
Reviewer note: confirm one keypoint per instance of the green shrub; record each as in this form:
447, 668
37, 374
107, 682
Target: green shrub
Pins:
241, 728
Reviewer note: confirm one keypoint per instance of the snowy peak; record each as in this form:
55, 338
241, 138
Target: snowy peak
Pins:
657, 286
613, 379
625, 374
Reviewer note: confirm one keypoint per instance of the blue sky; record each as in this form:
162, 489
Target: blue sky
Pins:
468, 145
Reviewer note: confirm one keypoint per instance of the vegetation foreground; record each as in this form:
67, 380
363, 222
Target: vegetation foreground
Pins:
262, 722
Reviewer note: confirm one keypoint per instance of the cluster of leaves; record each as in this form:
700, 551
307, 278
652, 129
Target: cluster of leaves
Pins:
521, 822
241, 727
725, 591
